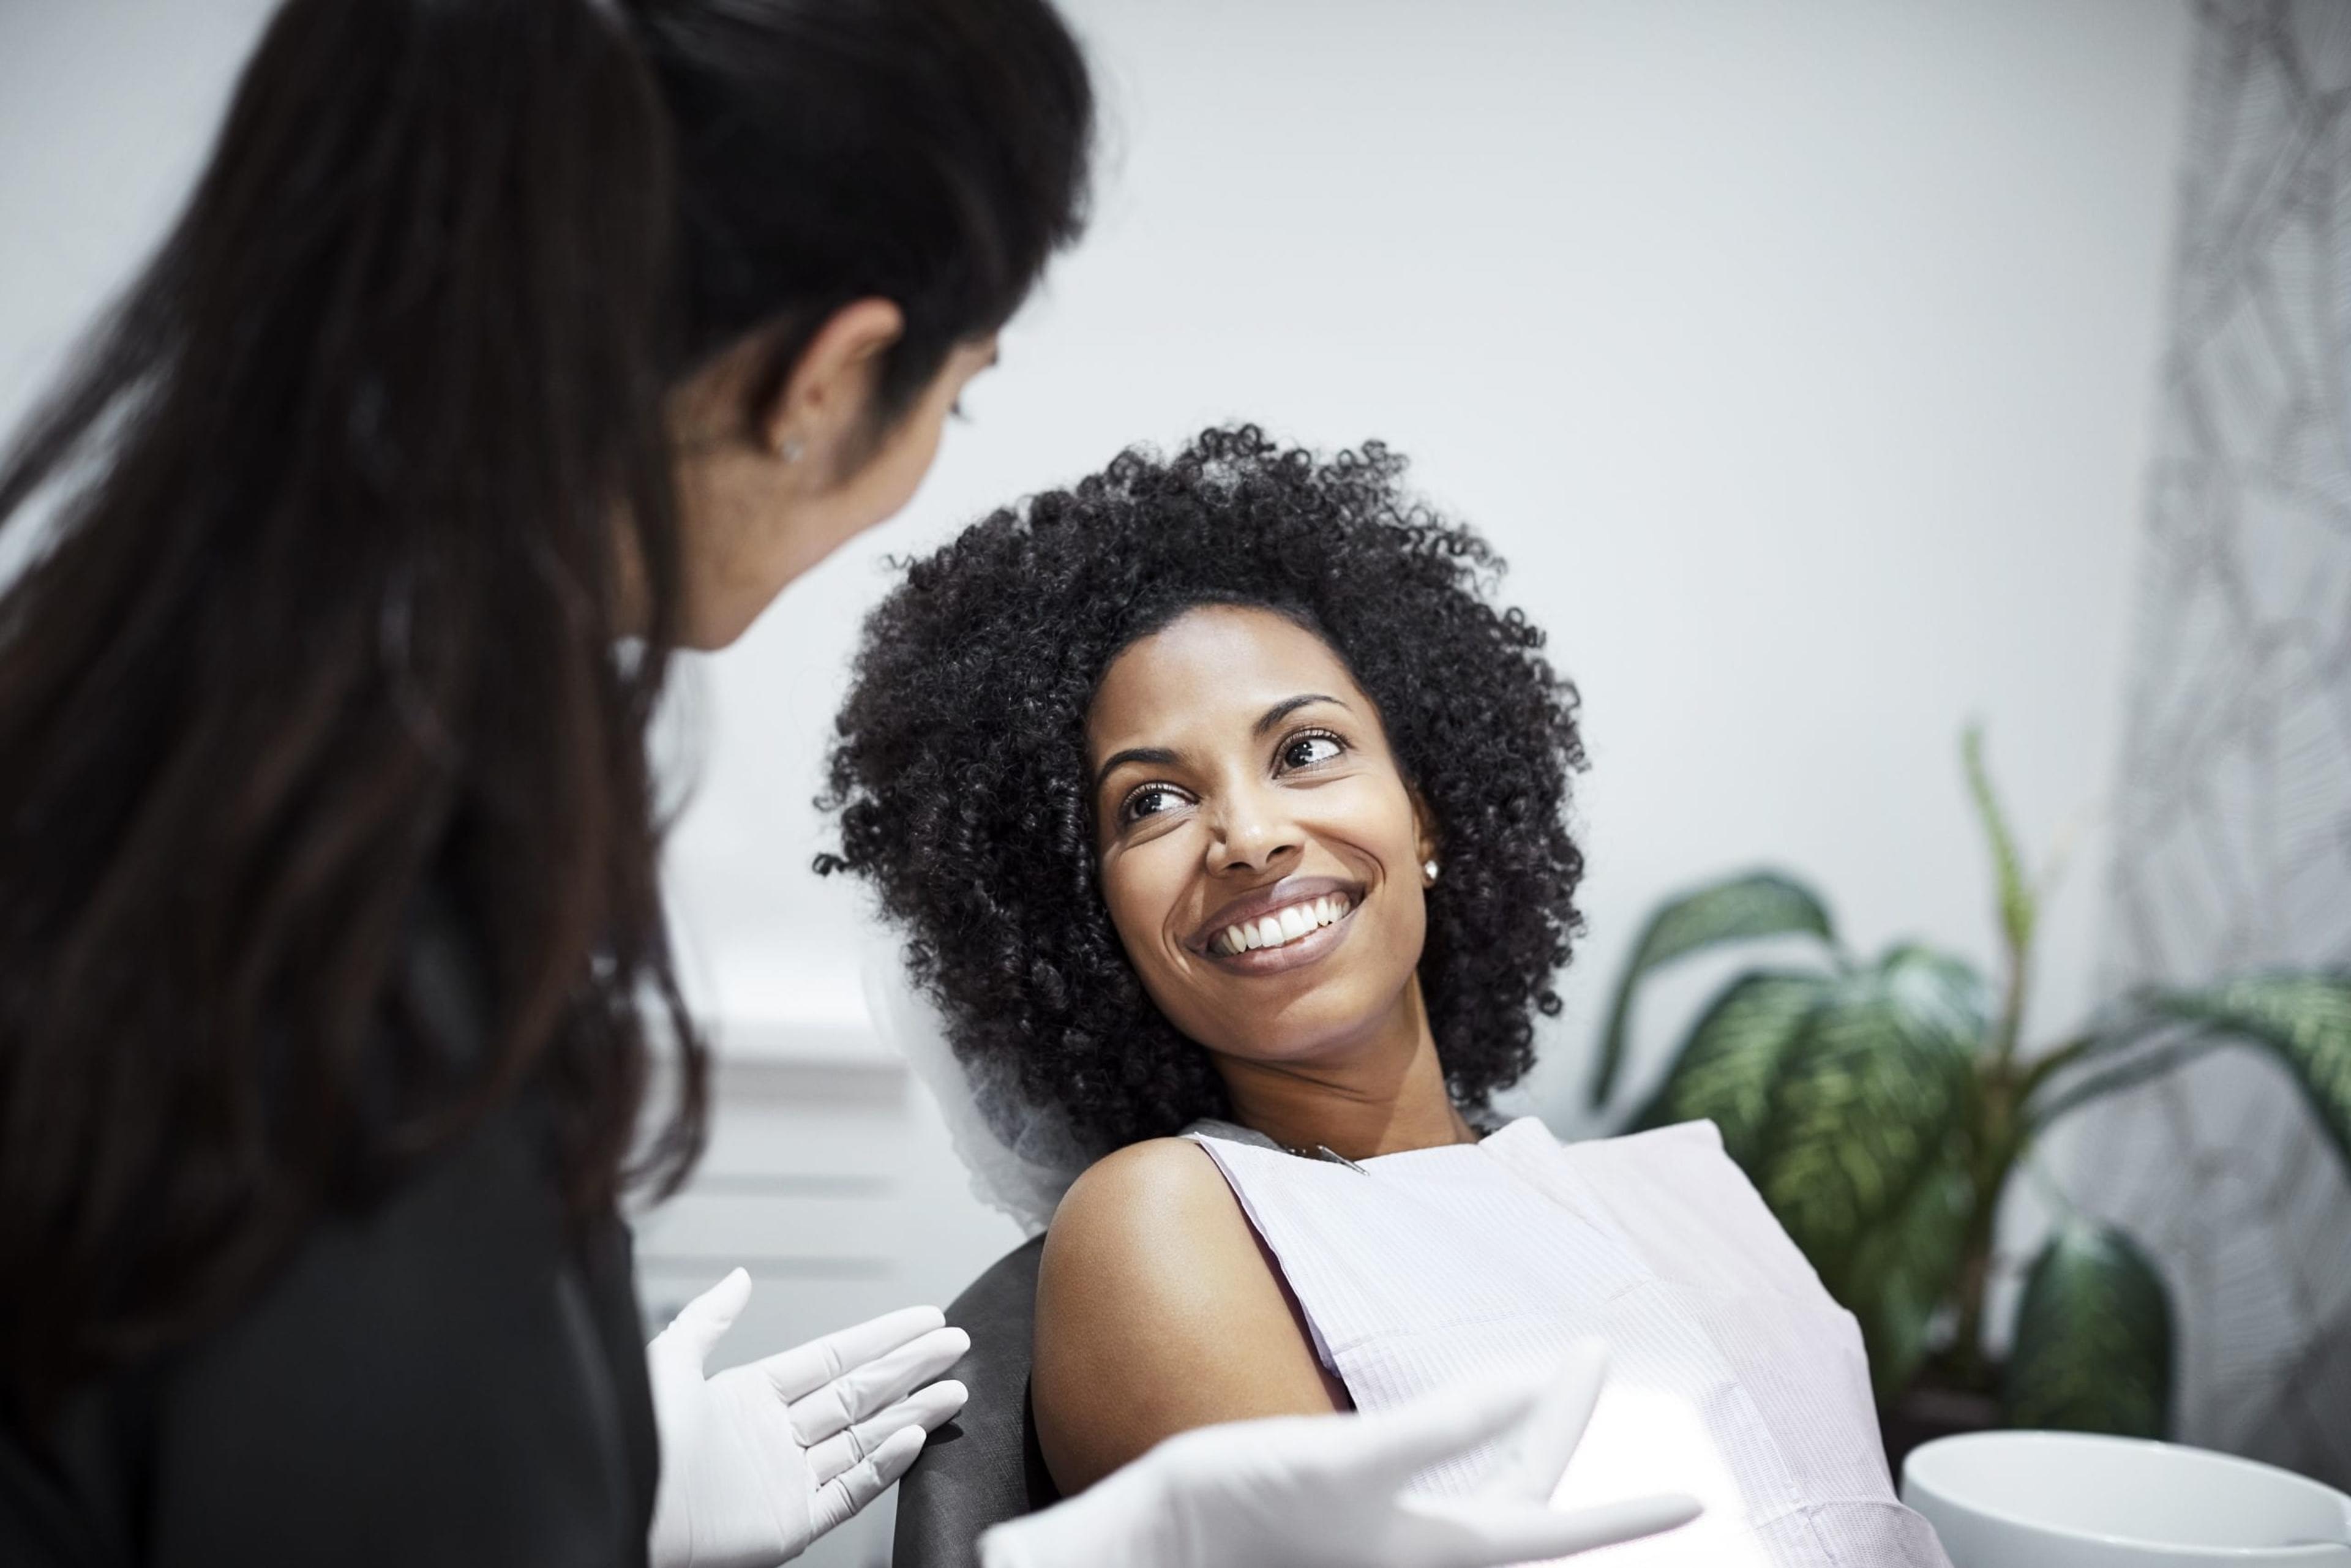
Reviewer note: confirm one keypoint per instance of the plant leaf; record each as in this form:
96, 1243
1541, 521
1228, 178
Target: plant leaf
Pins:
1729, 1066
1740, 908
2092, 1346
2304, 1017
2154, 1062
2016, 902
1865, 1158
1902, 1269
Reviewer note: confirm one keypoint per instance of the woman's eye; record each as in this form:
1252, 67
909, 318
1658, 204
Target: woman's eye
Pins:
1306, 750
1151, 800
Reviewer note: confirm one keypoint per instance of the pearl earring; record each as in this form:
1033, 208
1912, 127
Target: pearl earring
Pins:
789, 449
1428, 872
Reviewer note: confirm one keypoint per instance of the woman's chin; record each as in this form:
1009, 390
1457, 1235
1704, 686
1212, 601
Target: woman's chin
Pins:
1307, 1030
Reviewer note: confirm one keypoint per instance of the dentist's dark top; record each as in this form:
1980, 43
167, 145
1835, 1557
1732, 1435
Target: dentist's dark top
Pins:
453, 1377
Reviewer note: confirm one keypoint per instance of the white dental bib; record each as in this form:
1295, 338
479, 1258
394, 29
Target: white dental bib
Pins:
1732, 1374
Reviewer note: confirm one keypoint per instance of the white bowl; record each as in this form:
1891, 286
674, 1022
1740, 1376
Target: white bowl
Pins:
2068, 1499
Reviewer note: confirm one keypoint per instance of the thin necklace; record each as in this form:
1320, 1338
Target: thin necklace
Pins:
1325, 1151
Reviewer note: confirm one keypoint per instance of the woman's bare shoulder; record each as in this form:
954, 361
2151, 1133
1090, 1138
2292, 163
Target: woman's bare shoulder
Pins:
1126, 1194
1146, 1241
1158, 1311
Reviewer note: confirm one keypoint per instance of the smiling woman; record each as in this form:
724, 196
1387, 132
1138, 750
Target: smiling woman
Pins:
1215, 788
1216, 799
999, 806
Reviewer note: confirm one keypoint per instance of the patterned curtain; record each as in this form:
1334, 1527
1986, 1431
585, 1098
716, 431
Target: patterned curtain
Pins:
2233, 819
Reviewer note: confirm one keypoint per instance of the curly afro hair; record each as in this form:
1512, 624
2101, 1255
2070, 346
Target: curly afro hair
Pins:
960, 773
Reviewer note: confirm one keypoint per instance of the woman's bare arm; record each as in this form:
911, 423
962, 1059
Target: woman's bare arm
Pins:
1158, 1309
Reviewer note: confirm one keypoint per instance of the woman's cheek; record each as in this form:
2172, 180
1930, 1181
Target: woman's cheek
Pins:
1139, 894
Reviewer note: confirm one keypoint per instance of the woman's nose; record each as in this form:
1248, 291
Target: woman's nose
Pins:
1252, 833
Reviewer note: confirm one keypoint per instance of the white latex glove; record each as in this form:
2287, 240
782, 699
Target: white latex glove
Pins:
761, 1460
1325, 1491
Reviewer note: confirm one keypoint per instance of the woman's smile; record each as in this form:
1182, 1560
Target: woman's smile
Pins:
1294, 922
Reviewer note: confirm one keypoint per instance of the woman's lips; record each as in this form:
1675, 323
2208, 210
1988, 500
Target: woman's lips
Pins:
1251, 910
1291, 955
1294, 921
1283, 926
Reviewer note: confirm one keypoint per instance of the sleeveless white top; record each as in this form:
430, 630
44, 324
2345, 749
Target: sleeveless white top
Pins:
1732, 1374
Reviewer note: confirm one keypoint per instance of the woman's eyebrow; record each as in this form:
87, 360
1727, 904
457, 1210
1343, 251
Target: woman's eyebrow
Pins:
1152, 755
1160, 756
1287, 705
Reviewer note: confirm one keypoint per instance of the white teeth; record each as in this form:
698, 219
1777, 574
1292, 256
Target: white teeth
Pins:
1283, 927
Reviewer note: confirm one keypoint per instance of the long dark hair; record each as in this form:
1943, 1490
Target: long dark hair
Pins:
321, 627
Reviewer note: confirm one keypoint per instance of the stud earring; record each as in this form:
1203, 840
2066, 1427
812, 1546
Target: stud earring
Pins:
1428, 874
789, 449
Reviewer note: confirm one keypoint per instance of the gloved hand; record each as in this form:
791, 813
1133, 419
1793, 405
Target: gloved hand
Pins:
1325, 1491
761, 1460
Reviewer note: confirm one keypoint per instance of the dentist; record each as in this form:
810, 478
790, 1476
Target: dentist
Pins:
503, 348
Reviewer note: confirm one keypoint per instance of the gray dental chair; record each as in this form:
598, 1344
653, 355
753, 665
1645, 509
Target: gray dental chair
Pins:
984, 1466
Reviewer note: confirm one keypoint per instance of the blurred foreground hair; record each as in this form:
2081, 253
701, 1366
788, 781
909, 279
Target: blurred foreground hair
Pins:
321, 626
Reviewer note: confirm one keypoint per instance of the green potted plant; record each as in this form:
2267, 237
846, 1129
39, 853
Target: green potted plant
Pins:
1883, 1106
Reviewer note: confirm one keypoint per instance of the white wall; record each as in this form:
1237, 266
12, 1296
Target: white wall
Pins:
1801, 357
107, 109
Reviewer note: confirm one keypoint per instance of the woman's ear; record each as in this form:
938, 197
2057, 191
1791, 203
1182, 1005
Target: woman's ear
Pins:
822, 410
1425, 841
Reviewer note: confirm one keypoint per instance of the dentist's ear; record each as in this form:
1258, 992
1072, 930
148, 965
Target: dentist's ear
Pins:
820, 404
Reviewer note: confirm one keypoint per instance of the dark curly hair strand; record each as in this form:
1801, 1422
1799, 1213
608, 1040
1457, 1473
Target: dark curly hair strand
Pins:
960, 773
